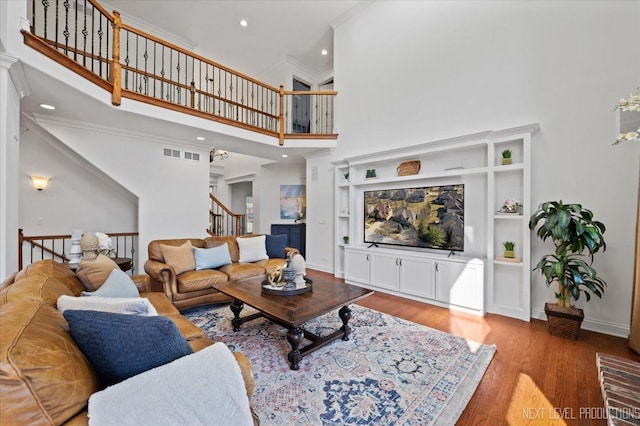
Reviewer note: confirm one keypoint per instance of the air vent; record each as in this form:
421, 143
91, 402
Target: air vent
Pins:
173, 153
191, 156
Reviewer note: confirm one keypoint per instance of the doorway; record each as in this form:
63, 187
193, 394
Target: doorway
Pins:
301, 108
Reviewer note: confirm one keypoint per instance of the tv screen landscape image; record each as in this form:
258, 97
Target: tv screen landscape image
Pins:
428, 217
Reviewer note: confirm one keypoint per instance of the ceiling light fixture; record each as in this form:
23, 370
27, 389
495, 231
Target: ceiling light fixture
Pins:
324, 52
284, 155
244, 23
46, 106
200, 138
219, 153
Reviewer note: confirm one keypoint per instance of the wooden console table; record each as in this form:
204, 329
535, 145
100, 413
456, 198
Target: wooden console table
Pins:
123, 262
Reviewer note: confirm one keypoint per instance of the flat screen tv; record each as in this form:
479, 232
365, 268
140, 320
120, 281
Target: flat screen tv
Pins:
429, 217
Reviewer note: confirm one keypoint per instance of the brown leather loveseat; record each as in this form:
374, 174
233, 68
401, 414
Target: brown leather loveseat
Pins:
44, 376
194, 287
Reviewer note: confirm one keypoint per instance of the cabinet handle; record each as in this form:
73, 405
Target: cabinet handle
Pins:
397, 261
436, 266
368, 256
400, 262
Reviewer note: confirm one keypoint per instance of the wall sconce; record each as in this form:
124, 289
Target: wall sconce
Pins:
40, 182
220, 153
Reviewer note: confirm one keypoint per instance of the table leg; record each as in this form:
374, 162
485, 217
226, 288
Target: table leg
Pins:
295, 337
236, 308
345, 316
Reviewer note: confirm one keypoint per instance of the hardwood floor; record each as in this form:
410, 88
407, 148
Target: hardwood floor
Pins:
534, 378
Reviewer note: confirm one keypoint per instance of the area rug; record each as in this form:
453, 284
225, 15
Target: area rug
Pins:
390, 372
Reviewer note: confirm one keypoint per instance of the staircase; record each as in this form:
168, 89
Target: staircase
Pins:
223, 221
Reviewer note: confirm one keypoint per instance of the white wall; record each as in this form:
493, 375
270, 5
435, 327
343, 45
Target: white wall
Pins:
79, 196
9, 157
443, 69
267, 192
172, 193
320, 213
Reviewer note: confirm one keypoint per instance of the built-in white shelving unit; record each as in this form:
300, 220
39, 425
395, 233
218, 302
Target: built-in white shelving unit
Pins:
474, 281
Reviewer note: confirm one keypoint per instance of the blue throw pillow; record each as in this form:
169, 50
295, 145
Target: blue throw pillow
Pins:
276, 245
117, 284
212, 258
119, 346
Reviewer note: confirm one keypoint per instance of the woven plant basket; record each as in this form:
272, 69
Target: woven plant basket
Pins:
407, 168
563, 324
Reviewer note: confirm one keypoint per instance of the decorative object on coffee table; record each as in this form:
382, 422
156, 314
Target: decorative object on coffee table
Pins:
89, 245
300, 266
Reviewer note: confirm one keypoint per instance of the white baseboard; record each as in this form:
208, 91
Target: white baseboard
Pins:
321, 268
605, 327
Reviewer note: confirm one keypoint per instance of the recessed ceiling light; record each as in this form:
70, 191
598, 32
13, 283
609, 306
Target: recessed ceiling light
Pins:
243, 23
200, 138
324, 52
284, 155
45, 106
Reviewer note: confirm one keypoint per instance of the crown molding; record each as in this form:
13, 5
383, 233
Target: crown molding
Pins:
244, 178
359, 7
16, 72
143, 25
79, 125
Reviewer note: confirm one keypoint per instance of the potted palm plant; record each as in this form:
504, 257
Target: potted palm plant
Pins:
576, 237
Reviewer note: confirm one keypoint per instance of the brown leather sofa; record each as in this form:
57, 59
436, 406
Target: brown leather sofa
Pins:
194, 288
44, 377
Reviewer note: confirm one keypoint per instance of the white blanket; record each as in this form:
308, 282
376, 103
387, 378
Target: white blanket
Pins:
204, 388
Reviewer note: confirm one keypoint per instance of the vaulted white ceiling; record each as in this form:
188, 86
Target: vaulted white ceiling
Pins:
277, 29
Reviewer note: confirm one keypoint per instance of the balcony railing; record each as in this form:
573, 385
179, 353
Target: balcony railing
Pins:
83, 36
57, 247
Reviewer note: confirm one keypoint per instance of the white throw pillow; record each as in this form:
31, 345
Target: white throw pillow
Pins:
204, 388
252, 249
116, 305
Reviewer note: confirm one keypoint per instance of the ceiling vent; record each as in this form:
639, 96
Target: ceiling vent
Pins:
191, 156
173, 153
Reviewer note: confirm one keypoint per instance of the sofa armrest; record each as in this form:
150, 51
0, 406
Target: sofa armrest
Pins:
247, 372
290, 251
143, 282
162, 275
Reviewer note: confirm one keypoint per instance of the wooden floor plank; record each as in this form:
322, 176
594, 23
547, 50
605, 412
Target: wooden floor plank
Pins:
534, 378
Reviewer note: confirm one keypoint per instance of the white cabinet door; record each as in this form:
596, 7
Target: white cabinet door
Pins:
418, 276
384, 270
460, 283
356, 264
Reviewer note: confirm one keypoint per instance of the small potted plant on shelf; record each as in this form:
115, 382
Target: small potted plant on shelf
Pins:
345, 239
506, 157
508, 249
576, 237
371, 173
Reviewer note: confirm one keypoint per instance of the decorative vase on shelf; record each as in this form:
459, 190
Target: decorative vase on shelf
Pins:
506, 161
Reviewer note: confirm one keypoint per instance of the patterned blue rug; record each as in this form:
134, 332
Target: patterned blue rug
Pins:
390, 372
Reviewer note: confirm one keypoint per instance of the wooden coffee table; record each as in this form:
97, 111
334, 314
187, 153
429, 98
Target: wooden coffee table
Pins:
293, 311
